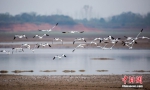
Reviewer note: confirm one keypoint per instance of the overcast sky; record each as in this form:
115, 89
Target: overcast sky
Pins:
75, 8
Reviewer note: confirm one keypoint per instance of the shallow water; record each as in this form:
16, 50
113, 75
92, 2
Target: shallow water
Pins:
81, 59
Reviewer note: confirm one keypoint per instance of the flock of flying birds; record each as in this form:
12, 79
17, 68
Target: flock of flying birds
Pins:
128, 42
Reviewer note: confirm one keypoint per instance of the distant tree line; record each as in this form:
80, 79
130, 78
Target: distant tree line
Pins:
6, 18
127, 19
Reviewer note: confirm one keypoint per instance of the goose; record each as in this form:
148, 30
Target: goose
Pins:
79, 39
20, 36
5, 51
80, 45
73, 32
57, 56
49, 29
40, 37
57, 39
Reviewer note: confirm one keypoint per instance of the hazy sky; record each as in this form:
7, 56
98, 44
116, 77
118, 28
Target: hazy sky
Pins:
75, 8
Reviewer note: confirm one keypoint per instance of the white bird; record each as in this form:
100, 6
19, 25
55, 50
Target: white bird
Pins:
73, 32
113, 41
32, 49
104, 47
131, 38
57, 39
92, 42
144, 37
108, 38
127, 44
25, 45
100, 39
49, 29
40, 37
80, 45
4, 51
28, 46
18, 49
57, 56
138, 34
79, 39
130, 41
20, 36
43, 45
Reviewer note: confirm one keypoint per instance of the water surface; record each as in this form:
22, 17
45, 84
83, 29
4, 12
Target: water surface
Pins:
81, 59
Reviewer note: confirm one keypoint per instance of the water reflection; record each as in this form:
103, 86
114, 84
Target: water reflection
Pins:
42, 59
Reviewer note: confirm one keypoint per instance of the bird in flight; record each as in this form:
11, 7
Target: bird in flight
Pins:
20, 36
5, 51
43, 30
43, 45
73, 32
80, 45
59, 57
40, 37
79, 39
57, 39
